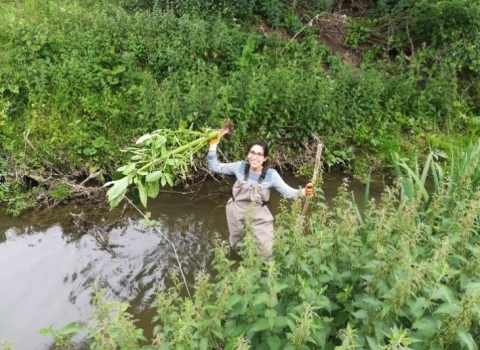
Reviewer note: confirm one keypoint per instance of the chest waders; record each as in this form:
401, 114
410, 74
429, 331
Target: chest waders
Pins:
246, 195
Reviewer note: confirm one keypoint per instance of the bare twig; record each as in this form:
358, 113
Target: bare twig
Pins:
309, 24
92, 176
27, 141
199, 187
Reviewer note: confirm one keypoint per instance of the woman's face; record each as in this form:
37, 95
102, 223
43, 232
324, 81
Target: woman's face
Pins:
256, 156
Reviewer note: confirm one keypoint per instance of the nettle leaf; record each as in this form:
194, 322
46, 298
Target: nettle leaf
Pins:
261, 298
321, 335
466, 339
277, 288
418, 305
274, 342
373, 344
240, 308
271, 314
448, 309
70, 328
427, 326
281, 322
154, 177
261, 324
371, 302
361, 314
234, 299
473, 289
204, 344
444, 293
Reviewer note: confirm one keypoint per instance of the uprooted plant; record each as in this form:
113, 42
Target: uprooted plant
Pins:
157, 159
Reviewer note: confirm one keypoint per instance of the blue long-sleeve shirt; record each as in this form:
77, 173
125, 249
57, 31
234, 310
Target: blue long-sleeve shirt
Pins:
272, 177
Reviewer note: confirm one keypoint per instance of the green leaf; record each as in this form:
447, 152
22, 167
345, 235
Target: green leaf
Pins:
70, 328
361, 314
466, 339
373, 344
448, 309
321, 336
99, 142
234, 299
418, 306
169, 179
281, 321
261, 324
261, 298
427, 326
274, 342
271, 315
152, 189
127, 169
218, 334
153, 177
46, 331
142, 191
444, 293
88, 151
116, 193
203, 344
143, 138
240, 308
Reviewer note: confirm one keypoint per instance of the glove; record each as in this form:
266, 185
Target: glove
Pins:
216, 140
308, 190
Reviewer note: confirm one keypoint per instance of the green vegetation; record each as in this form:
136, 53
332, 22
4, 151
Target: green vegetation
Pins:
400, 273
80, 80
158, 158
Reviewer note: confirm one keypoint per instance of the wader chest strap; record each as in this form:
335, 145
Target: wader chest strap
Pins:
260, 179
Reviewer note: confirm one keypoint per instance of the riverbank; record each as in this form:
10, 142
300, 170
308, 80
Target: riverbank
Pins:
80, 82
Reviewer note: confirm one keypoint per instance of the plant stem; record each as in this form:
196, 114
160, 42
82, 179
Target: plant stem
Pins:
195, 144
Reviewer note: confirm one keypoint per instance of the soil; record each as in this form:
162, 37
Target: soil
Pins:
333, 29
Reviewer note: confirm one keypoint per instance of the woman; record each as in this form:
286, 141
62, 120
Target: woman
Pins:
254, 181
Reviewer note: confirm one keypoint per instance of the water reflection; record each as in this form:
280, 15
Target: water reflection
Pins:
49, 260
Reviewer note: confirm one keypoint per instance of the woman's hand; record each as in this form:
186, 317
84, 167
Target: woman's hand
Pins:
217, 139
308, 190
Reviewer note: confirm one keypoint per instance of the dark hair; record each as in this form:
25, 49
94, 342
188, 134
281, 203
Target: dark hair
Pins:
262, 144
